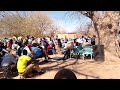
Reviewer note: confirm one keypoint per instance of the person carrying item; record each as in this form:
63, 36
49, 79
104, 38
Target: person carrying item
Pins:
38, 53
67, 50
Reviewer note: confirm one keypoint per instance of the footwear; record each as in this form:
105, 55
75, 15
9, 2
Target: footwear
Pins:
64, 59
41, 71
21, 77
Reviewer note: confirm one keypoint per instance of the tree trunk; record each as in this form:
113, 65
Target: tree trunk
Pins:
99, 48
98, 53
106, 36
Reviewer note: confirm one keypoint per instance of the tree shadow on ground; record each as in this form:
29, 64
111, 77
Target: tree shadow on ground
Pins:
75, 62
86, 75
58, 67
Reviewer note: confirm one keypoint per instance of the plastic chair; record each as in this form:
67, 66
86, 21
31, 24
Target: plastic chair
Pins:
77, 51
80, 49
87, 51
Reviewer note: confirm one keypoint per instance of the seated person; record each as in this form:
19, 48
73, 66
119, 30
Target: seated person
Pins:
77, 44
26, 64
14, 45
8, 64
28, 48
65, 74
19, 49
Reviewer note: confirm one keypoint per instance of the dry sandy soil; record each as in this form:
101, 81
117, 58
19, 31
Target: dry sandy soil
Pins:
84, 69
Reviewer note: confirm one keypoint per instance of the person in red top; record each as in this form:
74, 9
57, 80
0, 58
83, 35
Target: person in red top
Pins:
50, 48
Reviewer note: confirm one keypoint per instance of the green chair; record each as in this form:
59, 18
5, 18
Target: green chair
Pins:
80, 49
87, 50
77, 51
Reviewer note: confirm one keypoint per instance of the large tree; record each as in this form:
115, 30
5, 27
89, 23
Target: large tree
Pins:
106, 27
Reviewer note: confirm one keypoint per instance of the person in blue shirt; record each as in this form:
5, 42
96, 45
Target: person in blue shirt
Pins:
19, 49
38, 52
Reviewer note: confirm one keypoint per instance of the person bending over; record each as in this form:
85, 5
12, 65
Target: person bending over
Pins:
9, 64
38, 53
26, 64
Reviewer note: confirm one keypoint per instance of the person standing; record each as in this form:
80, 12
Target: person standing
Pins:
93, 40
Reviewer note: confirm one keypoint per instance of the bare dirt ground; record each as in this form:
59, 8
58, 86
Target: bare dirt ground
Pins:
84, 69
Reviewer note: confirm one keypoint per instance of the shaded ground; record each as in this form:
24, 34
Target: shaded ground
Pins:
84, 69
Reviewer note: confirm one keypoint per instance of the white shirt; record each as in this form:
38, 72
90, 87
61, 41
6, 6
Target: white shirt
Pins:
78, 40
28, 50
89, 40
65, 45
14, 46
83, 40
19, 38
38, 40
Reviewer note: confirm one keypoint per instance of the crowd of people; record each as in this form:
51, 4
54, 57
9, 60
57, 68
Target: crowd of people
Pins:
22, 53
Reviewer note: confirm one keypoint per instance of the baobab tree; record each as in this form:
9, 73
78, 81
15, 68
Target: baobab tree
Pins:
106, 27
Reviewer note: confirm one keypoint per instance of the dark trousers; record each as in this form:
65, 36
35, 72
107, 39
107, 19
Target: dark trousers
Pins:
66, 54
93, 42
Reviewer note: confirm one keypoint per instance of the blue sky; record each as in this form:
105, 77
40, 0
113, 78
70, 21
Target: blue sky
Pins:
66, 21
